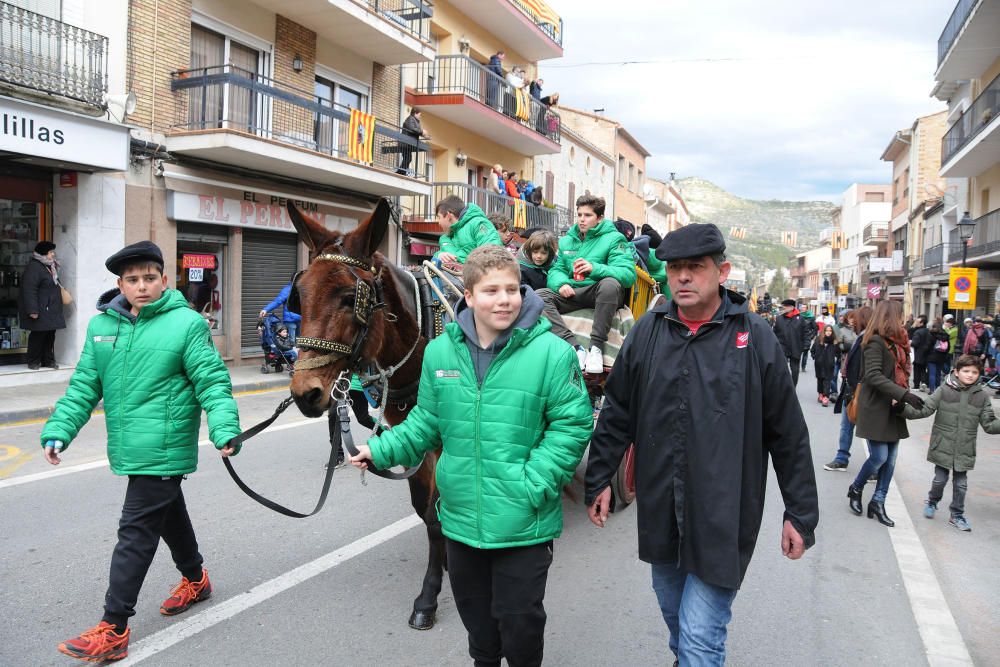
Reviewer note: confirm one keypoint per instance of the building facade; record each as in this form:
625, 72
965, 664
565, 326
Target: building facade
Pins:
864, 225
579, 168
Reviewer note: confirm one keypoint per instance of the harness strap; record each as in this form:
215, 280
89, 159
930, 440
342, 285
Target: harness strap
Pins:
341, 433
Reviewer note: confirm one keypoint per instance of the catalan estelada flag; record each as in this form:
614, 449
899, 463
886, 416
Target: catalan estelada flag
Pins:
523, 105
542, 12
520, 215
361, 136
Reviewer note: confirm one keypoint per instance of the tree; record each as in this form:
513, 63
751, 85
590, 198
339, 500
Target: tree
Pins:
779, 286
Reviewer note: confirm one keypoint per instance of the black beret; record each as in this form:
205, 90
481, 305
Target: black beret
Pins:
143, 251
694, 240
788, 302
44, 247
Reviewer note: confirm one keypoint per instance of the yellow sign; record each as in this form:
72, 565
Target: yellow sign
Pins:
842, 289
962, 288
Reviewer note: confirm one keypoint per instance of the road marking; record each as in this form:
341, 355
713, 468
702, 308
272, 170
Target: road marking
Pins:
83, 467
943, 643
191, 626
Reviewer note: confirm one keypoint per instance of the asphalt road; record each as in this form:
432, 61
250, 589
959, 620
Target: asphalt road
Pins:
337, 588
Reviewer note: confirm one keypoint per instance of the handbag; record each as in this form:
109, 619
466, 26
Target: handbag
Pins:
941, 346
67, 298
852, 407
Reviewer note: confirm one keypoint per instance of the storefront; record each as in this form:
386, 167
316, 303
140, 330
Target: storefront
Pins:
57, 183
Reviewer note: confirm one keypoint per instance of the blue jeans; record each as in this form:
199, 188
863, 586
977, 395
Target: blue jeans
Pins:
696, 614
846, 438
934, 375
293, 330
881, 459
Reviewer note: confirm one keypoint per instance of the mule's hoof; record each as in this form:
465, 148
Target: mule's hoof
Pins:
422, 620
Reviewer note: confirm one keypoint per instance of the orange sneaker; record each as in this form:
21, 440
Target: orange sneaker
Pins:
98, 644
186, 594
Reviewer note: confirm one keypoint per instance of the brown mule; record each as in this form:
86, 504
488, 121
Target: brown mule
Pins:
328, 293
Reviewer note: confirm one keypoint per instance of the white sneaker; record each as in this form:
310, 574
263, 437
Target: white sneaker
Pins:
595, 361
581, 355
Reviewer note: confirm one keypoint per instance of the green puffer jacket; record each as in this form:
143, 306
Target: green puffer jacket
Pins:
509, 444
155, 373
471, 230
960, 412
606, 250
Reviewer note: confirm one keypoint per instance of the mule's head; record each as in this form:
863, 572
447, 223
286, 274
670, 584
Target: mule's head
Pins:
326, 291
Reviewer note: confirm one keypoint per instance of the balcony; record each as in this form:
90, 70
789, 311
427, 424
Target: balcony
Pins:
528, 27
464, 92
984, 244
390, 32
49, 56
233, 116
972, 144
419, 215
936, 258
968, 44
798, 272
830, 266
875, 233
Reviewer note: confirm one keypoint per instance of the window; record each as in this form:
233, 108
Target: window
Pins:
572, 155
586, 165
638, 185
621, 170
631, 177
333, 91
874, 197
604, 173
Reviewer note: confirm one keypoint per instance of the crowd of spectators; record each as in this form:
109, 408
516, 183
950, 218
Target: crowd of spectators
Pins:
505, 98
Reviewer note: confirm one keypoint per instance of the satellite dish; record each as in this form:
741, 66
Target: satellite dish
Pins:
648, 192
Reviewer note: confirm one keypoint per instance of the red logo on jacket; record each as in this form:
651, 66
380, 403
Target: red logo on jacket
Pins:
742, 339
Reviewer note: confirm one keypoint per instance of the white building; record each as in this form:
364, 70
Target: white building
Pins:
665, 207
579, 168
864, 220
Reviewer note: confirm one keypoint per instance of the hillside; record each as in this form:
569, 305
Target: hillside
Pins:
764, 220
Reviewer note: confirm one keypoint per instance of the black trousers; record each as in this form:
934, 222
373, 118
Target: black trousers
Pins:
499, 595
154, 508
41, 348
605, 297
919, 375
793, 366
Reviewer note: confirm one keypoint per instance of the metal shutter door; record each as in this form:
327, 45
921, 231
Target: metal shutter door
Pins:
269, 262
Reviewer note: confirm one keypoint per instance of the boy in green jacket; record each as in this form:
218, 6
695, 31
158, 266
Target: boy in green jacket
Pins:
505, 401
465, 228
962, 406
151, 358
593, 270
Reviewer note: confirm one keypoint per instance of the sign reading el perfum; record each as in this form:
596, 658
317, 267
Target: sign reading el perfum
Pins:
252, 210
36, 130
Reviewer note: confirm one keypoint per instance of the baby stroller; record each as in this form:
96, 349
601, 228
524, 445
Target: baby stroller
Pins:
278, 348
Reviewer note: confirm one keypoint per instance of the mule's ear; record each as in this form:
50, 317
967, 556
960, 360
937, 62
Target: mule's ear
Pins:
377, 226
313, 233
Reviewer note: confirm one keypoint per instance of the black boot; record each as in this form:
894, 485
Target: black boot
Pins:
877, 511
855, 496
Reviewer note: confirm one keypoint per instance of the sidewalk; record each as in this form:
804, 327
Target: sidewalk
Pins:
35, 401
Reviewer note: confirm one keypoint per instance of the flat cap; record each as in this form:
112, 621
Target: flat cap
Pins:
788, 302
694, 240
143, 251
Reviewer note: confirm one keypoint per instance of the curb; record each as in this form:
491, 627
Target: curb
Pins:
25, 414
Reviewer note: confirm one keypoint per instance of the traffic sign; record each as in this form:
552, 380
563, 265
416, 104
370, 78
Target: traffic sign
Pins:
962, 288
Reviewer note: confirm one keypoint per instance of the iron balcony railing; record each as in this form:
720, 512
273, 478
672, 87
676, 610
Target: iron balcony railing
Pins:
982, 112
985, 239
936, 257
412, 16
552, 30
875, 232
956, 22
555, 219
226, 97
830, 266
50, 56
462, 74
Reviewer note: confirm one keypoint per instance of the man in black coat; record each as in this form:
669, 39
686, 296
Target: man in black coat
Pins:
920, 343
789, 327
411, 128
40, 307
701, 387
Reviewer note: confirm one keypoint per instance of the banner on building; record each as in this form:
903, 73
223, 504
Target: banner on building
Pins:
738, 232
843, 289
543, 13
361, 136
790, 239
962, 284
837, 241
520, 214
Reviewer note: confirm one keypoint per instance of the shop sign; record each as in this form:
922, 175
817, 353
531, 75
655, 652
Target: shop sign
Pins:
843, 289
962, 288
254, 210
874, 290
31, 129
196, 275
195, 261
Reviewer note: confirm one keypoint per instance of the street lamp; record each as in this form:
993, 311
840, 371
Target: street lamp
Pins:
966, 227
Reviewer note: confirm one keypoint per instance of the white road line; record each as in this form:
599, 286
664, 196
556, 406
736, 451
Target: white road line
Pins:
943, 643
191, 626
59, 472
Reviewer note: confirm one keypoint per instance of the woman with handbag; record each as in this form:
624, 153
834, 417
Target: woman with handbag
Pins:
40, 305
850, 370
884, 389
937, 358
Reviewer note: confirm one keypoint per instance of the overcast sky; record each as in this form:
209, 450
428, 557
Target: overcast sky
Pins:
799, 102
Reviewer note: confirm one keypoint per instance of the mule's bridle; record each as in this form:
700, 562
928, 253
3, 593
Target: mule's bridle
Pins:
367, 299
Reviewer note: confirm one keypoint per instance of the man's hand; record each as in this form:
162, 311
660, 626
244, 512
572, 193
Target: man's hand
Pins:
447, 258
567, 291
33, 316
792, 544
52, 449
598, 512
582, 266
364, 454
227, 451
263, 314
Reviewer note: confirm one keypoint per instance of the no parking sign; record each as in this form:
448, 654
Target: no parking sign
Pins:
962, 288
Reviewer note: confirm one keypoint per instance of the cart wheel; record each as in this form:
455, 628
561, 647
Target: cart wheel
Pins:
265, 369
623, 483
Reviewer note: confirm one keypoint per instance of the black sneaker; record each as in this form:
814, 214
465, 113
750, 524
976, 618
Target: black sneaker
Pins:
836, 466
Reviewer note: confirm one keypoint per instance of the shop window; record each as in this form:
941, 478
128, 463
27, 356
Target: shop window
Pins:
19, 232
200, 279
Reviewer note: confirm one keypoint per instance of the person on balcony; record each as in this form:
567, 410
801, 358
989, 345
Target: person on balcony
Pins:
411, 128
515, 82
512, 186
496, 184
465, 228
493, 82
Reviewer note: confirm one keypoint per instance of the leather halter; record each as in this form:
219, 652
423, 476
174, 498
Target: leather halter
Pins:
367, 299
